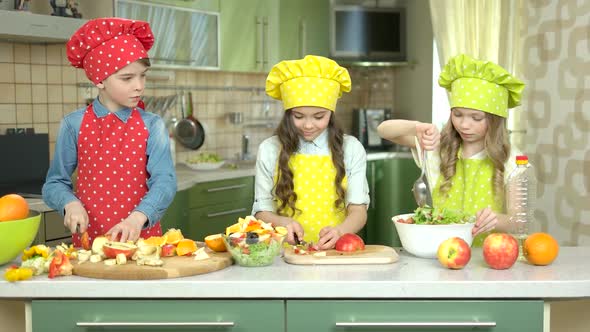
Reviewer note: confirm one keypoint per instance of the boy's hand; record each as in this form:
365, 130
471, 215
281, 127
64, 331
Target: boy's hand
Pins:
76, 217
428, 135
328, 237
486, 221
129, 228
292, 228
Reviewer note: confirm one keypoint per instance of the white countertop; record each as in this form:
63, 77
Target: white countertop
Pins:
409, 278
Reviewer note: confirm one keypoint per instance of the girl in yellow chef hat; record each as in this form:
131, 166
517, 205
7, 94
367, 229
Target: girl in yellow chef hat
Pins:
310, 177
468, 162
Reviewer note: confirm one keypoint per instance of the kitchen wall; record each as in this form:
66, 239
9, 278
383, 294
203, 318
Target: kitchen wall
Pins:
557, 112
38, 87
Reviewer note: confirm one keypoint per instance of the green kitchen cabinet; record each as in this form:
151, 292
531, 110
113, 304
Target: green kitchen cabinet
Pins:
249, 35
176, 214
415, 315
390, 184
158, 315
304, 28
214, 205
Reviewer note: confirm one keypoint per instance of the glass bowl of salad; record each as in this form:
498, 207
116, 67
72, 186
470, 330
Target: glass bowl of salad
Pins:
424, 230
253, 242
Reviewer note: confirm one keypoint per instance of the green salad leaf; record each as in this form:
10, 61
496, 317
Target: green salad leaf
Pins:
205, 157
431, 216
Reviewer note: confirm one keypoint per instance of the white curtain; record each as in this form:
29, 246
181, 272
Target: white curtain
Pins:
483, 29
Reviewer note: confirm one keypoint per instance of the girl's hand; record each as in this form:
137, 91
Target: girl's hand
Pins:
76, 217
328, 237
486, 221
428, 136
129, 228
294, 227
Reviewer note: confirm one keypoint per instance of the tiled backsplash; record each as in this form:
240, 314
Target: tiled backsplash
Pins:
38, 87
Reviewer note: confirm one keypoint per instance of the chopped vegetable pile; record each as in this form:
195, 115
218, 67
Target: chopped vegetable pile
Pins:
205, 157
427, 215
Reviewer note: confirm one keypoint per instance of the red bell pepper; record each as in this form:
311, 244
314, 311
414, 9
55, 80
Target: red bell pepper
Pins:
60, 265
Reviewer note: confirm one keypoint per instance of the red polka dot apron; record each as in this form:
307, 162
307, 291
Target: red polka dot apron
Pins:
112, 171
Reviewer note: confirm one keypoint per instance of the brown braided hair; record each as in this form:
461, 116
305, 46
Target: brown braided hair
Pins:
288, 136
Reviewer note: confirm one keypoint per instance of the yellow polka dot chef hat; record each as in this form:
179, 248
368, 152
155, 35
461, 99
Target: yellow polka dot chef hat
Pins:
311, 81
480, 85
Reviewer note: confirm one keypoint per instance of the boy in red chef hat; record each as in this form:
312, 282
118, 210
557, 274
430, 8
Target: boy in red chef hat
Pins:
126, 178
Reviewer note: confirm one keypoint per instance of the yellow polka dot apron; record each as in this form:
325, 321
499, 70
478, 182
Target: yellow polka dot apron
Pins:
313, 182
471, 190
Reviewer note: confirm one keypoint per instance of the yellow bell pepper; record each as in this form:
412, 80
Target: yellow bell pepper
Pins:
34, 251
15, 273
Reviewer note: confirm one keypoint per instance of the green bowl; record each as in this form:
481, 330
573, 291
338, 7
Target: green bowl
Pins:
17, 235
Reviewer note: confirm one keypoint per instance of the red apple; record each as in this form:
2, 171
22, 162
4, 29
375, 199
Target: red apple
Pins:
500, 250
111, 249
98, 243
454, 253
350, 242
168, 250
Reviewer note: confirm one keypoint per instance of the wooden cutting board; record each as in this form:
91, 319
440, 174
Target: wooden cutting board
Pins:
373, 254
174, 267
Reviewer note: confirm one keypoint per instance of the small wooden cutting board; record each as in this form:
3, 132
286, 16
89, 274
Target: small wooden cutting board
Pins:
373, 254
174, 267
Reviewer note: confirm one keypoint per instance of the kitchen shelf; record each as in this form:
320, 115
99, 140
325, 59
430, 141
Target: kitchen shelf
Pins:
190, 87
20, 26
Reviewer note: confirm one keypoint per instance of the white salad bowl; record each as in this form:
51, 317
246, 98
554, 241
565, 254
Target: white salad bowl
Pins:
205, 166
423, 240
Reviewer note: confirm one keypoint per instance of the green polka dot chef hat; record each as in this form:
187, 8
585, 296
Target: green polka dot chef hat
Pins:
311, 81
480, 85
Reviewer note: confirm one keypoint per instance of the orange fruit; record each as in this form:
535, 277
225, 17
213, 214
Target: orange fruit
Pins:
215, 243
156, 240
173, 236
540, 249
13, 207
185, 247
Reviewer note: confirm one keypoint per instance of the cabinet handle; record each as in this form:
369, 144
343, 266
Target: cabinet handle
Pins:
372, 196
223, 213
236, 186
154, 324
260, 41
265, 42
466, 325
302, 37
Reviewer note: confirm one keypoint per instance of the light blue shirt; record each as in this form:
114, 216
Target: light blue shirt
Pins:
355, 164
57, 190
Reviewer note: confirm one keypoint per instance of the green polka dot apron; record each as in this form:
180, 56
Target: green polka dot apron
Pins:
313, 181
471, 190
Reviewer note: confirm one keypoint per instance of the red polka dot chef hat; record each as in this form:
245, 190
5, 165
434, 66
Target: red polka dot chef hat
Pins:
102, 46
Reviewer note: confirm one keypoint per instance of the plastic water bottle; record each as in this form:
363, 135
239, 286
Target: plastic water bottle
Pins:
521, 194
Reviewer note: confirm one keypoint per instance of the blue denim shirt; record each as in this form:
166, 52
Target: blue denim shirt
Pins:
355, 164
58, 189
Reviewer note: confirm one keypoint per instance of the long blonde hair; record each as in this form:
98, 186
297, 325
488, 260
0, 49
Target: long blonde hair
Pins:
289, 138
496, 145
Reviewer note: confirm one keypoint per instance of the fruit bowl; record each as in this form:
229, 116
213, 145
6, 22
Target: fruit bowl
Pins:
16, 235
248, 251
205, 166
423, 240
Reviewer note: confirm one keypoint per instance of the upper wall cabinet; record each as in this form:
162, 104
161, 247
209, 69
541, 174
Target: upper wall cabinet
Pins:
304, 28
249, 35
185, 37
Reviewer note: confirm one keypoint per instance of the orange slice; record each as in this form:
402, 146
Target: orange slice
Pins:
173, 236
233, 229
156, 240
215, 243
185, 247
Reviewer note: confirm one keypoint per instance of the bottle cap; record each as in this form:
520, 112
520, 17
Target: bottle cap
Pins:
520, 160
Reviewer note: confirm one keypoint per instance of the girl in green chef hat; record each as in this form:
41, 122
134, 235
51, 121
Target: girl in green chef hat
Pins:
469, 161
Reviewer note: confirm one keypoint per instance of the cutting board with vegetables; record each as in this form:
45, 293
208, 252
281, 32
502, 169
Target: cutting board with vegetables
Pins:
173, 267
373, 254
